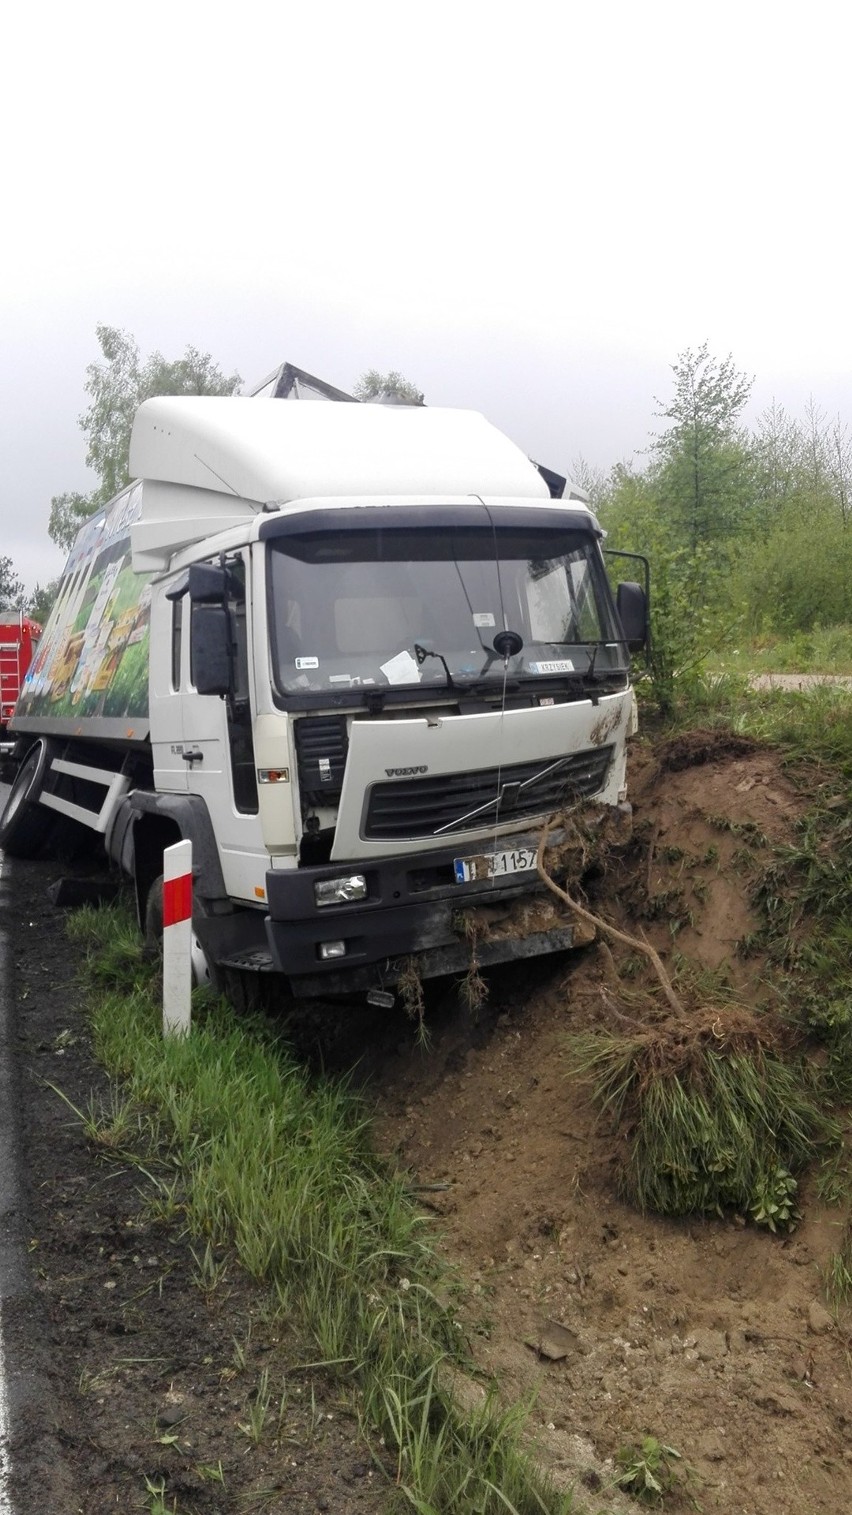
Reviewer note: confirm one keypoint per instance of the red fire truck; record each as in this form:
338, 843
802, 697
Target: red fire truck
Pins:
18, 641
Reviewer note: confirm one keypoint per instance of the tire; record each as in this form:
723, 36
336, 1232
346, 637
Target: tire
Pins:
203, 971
26, 826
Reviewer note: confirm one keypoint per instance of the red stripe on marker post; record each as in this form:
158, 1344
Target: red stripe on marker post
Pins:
177, 939
177, 899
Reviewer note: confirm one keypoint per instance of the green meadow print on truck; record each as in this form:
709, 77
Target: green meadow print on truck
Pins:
93, 660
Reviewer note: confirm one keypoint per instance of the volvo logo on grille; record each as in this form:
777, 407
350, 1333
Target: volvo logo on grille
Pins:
405, 773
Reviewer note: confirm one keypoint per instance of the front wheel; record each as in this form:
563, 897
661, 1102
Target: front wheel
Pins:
203, 972
25, 825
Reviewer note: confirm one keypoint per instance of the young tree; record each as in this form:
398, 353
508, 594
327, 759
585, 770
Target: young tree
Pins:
11, 588
40, 602
702, 460
593, 483
840, 467
777, 450
682, 609
116, 389
373, 385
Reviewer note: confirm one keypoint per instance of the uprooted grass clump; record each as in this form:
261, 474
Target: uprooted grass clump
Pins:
715, 1115
277, 1167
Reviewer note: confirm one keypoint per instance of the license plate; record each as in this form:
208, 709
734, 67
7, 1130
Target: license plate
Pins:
494, 865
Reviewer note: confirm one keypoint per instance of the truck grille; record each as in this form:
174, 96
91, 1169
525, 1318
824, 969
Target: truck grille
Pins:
321, 747
422, 806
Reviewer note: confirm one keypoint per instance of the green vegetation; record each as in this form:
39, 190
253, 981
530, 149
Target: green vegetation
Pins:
11, 588
838, 1272
373, 385
276, 1169
822, 649
725, 1106
748, 531
116, 388
719, 1119
650, 1470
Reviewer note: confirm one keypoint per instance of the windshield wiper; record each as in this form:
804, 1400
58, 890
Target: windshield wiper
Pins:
596, 646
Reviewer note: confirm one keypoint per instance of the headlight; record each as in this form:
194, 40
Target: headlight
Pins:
341, 891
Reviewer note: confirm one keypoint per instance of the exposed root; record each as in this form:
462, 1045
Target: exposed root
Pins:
635, 943
409, 986
473, 990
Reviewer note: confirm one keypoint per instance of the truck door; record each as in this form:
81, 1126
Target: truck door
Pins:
165, 696
218, 753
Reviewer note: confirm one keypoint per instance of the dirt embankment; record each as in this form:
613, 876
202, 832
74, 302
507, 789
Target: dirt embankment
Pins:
710, 1334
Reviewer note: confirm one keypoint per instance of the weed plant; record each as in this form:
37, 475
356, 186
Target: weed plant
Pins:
279, 1167
837, 1276
650, 1470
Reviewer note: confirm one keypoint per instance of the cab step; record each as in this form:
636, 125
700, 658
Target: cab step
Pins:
254, 961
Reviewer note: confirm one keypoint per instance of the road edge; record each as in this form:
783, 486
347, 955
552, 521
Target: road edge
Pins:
34, 1476
14, 1272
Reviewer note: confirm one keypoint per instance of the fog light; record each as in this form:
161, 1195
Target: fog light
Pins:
332, 949
341, 891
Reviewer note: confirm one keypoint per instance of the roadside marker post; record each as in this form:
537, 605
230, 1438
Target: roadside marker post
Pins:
177, 939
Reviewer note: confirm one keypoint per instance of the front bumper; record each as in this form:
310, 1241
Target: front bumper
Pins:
414, 908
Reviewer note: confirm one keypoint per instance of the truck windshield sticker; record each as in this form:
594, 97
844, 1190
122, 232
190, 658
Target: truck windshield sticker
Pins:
307, 662
483, 618
556, 665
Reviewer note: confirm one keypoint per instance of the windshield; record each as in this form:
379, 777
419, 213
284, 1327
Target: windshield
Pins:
422, 606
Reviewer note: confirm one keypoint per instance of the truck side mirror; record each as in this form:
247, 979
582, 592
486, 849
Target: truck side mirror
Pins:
205, 583
211, 652
632, 605
208, 584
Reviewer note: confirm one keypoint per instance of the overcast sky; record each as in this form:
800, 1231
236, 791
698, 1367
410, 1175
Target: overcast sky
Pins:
527, 209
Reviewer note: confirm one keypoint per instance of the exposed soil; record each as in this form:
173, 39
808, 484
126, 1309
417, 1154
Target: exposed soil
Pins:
711, 1334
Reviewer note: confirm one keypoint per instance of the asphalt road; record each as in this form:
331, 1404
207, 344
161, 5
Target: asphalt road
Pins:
24, 1412
14, 1278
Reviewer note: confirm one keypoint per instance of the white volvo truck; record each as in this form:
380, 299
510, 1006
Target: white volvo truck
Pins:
356, 653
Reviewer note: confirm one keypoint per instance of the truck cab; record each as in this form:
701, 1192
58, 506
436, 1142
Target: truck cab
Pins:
376, 656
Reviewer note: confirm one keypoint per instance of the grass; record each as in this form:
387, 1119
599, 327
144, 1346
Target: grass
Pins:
837, 1274
826, 649
714, 1117
276, 1167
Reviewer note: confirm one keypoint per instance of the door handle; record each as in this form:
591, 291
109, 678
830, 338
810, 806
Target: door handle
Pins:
192, 755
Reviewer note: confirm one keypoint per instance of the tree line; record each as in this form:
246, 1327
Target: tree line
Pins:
749, 530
